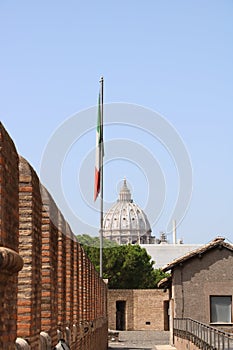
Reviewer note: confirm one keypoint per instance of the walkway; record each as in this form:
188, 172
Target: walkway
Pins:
144, 340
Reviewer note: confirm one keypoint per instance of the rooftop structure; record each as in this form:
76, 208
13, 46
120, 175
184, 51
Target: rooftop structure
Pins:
162, 254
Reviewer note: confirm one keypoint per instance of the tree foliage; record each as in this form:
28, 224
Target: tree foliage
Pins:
125, 266
89, 241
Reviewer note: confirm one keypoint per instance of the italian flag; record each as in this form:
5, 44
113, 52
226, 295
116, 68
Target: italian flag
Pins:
98, 156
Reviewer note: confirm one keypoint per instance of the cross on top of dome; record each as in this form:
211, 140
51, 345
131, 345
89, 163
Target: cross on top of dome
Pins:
125, 194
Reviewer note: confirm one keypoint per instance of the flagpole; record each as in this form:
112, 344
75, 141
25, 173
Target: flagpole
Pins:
101, 176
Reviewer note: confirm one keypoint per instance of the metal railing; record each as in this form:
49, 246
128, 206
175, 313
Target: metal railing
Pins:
203, 336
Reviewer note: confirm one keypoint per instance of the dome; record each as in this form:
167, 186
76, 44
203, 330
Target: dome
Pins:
125, 222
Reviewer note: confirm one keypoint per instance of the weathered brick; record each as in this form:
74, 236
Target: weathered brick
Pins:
58, 286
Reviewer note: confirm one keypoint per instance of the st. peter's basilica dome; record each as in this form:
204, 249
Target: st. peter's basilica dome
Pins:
125, 222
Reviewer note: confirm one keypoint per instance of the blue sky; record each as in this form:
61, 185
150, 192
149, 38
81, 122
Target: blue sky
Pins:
171, 57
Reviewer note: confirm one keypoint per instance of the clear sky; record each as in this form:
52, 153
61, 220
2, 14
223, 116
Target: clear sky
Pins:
171, 57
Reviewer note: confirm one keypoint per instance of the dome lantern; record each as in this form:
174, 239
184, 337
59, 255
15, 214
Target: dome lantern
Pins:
125, 194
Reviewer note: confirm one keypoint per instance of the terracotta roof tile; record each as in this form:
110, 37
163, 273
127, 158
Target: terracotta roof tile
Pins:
218, 241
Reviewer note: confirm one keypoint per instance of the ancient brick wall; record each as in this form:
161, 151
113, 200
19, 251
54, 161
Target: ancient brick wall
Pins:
30, 248
144, 309
8, 191
10, 262
57, 293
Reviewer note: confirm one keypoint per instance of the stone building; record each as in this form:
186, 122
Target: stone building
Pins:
202, 285
125, 222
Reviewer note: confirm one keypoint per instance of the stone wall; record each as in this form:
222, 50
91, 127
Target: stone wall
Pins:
48, 287
145, 309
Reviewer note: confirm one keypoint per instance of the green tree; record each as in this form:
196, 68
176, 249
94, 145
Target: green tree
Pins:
90, 241
126, 266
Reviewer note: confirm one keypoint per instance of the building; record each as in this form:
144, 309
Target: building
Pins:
138, 309
202, 285
125, 222
200, 288
164, 253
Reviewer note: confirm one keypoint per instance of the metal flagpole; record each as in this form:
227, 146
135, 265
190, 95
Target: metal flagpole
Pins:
101, 174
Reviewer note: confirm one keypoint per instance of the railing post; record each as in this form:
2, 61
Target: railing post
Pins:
210, 337
223, 342
199, 334
214, 338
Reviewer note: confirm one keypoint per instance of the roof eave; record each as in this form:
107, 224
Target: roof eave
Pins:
219, 241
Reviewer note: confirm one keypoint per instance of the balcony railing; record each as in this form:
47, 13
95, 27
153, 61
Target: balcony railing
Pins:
203, 336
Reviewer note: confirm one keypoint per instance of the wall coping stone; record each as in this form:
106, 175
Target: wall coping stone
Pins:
10, 263
22, 344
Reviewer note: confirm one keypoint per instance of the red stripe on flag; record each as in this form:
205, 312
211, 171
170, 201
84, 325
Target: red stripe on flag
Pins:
97, 183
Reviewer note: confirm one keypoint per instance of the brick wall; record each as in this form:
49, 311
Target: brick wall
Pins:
58, 288
8, 191
144, 309
49, 237
10, 262
30, 248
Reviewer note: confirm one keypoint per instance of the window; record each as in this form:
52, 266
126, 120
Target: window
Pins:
220, 309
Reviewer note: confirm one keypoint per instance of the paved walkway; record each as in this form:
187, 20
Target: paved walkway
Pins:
144, 340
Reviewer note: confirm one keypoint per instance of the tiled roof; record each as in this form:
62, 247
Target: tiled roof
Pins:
218, 241
165, 282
